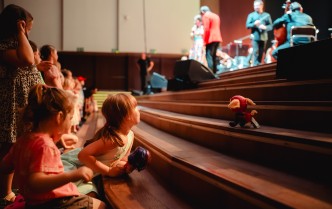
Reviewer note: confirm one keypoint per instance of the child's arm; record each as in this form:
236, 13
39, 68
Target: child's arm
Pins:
99, 147
6, 174
41, 182
6, 182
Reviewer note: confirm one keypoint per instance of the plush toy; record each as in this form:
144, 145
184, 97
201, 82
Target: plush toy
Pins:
243, 117
138, 159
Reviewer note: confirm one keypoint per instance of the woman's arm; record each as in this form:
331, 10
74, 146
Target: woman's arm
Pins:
22, 56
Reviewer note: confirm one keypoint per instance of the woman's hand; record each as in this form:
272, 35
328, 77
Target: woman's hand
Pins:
21, 27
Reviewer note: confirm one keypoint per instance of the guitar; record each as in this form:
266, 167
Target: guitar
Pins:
280, 34
261, 19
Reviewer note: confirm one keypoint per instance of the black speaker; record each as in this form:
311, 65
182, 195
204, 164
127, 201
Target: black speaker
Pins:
305, 62
176, 84
192, 71
158, 81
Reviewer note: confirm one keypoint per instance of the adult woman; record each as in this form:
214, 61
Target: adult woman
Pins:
17, 75
197, 32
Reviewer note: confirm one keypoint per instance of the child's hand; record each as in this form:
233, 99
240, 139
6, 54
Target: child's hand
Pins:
117, 170
85, 173
120, 167
44, 66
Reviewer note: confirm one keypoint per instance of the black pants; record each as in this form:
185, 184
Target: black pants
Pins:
211, 55
258, 49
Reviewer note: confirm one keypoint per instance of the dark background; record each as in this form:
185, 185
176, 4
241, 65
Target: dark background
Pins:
233, 15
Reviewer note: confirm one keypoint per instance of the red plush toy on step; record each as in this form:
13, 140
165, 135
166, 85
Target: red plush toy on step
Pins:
243, 117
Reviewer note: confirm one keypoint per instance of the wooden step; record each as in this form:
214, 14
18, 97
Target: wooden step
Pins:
284, 149
215, 180
310, 90
259, 73
141, 190
300, 115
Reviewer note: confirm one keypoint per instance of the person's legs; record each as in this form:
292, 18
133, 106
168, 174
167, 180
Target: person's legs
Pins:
215, 46
208, 54
276, 51
255, 49
143, 81
261, 50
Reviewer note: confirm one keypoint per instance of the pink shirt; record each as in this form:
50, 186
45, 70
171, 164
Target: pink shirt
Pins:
37, 153
52, 77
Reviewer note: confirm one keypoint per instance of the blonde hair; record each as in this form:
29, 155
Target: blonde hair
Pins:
43, 103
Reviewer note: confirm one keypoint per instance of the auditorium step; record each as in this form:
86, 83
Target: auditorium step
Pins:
211, 179
274, 90
254, 74
302, 153
300, 115
142, 190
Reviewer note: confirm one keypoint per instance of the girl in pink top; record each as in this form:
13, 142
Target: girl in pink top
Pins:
36, 159
53, 75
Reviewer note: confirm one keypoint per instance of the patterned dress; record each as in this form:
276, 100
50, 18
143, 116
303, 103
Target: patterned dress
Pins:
197, 51
15, 84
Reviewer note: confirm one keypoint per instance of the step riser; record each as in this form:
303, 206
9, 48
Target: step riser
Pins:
308, 119
251, 78
199, 189
294, 158
278, 92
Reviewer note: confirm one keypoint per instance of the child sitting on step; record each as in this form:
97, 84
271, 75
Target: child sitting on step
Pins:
36, 159
107, 153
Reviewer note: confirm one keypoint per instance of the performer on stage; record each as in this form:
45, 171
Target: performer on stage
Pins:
295, 18
197, 52
212, 36
260, 23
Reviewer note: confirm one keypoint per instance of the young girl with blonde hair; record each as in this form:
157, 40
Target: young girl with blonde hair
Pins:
109, 152
36, 159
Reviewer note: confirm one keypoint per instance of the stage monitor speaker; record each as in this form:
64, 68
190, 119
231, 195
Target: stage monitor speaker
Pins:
176, 84
305, 62
192, 71
158, 81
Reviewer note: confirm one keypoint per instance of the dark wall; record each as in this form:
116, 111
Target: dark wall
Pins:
319, 10
233, 15
114, 71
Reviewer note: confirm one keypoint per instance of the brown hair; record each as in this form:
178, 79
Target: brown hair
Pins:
115, 109
45, 51
9, 17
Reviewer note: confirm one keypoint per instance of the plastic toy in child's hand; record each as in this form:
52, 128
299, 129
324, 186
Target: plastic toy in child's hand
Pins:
243, 117
19, 203
138, 159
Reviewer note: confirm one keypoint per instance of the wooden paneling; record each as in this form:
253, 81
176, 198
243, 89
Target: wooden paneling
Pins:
114, 71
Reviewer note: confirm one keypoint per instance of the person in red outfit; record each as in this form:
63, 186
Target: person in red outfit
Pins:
212, 36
